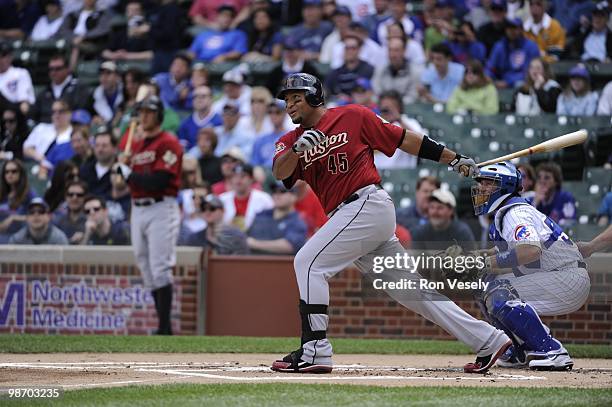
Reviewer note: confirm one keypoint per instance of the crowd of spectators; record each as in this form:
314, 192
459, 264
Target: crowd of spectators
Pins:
59, 143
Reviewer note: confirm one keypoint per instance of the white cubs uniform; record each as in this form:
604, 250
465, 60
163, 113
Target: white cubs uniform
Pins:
558, 282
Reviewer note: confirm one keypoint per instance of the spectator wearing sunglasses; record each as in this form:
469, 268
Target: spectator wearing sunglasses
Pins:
71, 217
279, 230
13, 132
15, 195
39, 229
99, 229
218, 236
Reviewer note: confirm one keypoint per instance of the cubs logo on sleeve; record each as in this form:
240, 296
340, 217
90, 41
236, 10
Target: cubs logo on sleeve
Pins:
523, 232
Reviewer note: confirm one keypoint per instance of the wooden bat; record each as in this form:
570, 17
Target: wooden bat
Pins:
555, 144
142, 93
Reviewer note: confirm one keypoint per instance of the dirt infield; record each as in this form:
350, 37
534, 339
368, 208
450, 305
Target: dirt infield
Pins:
85, 370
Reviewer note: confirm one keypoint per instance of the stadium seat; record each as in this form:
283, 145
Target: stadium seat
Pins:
600, 176
88, 72
584, 232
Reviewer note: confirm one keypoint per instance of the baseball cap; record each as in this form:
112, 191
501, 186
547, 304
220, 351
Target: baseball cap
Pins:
277, 103
81, 116
151, 103
311, 3
233, 76
38, 202
212, 201
235, 153
231, 108
342, 11
291, 43
498, 5
363, 83
579, 71
226, 7
444, 3
444, 196
514, 22
243, 169
278, 186
357, 25
108, 66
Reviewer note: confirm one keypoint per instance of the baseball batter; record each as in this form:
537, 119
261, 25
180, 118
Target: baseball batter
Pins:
537, 270
333, 150
154, 178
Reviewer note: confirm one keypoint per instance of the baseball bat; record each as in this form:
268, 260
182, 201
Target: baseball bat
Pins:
142, 93
555, 144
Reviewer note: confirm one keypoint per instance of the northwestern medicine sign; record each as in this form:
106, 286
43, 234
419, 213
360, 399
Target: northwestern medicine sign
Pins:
76, 306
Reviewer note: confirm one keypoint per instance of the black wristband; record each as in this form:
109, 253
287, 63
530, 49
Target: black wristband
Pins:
430, 150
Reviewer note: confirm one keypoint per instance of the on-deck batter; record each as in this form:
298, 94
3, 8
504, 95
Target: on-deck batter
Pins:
154, 178
333, 150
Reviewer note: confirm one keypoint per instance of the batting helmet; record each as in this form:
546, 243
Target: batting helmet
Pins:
155, 104
302, 81
507, 181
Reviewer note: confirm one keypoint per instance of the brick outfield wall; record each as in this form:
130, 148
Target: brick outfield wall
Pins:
356, 312
139, 317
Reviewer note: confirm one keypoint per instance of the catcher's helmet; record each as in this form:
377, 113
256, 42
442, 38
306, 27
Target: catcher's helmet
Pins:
302, 81
508, 181
155, 104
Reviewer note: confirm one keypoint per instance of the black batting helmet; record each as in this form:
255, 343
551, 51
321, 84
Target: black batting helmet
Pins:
302, 81
155, 104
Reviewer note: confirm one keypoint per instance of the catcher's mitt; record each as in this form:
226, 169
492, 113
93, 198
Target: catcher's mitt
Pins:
460, 265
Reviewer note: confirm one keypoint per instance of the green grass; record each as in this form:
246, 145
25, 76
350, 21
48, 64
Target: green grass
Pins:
245, 395
232, 344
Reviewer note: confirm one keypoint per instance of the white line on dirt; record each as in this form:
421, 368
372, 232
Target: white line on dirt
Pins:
330, 378
116, 383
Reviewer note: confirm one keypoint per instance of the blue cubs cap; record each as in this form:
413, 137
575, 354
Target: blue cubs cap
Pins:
363, 83
38, 201
342, 11
498, 5
81, 116
311, 3
514, 22
444, 3
579, 71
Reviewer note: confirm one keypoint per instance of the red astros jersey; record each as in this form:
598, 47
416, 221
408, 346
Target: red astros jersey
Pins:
345, 162
161, 153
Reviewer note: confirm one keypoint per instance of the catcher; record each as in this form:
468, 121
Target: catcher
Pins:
536, 270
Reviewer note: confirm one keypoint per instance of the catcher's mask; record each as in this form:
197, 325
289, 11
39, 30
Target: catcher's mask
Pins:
494, 184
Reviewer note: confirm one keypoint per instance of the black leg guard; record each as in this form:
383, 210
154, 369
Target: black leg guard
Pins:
305, 310
163, 302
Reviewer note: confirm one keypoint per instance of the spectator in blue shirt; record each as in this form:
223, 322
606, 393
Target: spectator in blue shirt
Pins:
441, 77
341, 81
510, 56
465, 46
202, 116
605, 210
578, 99
311, 33
263, 148
550, 199
222, 44
571, 13
230, 134
279, 230
174, 84
70, 218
